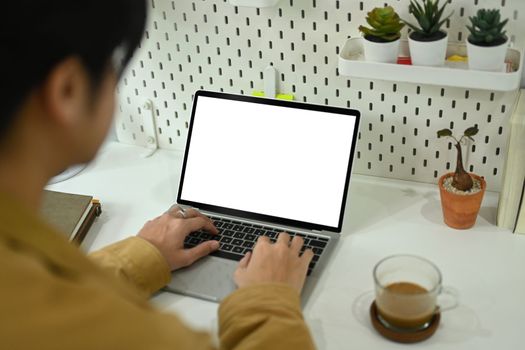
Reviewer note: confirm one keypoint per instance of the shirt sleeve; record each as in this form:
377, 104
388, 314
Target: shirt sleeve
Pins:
135, 260
263, 317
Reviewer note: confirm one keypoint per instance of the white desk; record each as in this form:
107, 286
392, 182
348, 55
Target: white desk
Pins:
485, 264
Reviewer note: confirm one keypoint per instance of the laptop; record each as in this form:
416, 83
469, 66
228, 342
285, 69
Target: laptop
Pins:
258, 167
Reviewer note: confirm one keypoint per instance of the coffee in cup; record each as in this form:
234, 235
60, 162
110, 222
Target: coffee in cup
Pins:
407, 290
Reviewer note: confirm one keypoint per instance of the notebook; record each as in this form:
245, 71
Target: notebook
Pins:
71, 214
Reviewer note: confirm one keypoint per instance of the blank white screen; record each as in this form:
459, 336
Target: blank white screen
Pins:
279, 161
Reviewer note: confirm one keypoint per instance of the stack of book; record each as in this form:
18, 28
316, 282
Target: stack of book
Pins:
511, 208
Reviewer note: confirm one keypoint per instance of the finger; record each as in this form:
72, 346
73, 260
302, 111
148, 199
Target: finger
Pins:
193, 213
173, 209
243, 263
262, 240
199, 223
200, 251
283, 238
307, 257
296, 245
176, 211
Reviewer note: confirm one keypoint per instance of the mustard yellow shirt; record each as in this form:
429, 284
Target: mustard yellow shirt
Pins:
52, 296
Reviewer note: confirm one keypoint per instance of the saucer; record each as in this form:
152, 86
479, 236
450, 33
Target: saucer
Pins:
405, 336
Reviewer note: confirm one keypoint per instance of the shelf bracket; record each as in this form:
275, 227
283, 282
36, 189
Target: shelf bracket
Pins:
150, 128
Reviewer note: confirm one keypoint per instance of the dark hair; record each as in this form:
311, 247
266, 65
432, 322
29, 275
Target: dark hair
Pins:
36, 35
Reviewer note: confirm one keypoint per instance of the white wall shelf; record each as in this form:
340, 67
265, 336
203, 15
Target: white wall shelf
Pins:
454, 74
254, 3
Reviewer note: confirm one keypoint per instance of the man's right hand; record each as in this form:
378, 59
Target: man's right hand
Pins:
275, 263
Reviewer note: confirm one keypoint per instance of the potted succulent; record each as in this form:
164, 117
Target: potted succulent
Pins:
487, 42
461, 193
427, 42
381, 42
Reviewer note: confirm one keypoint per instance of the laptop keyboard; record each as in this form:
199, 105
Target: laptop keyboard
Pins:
237, 238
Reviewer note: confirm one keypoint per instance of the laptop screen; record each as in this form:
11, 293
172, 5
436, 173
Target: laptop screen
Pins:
278, 161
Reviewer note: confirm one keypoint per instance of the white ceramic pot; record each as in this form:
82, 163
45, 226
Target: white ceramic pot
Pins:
487, 58
381, 52
428, 53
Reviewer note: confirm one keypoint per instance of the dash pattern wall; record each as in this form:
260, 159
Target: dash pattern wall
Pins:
210, 44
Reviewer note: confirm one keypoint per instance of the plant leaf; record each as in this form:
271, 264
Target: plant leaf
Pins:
502, 24
440, 12
416, 6
373, 22
413, 27
436, 28
473, 130
424, 23
444, 133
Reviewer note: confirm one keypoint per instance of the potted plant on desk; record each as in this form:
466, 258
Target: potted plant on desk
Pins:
487, 43
461, 193
427, 42
381, 42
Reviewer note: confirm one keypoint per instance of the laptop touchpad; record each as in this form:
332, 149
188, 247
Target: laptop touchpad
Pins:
210, 278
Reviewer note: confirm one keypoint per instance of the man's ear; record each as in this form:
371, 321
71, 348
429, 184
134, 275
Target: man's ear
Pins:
65, 92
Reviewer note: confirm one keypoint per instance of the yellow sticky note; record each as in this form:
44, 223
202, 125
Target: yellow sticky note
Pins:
287, 97
457, 58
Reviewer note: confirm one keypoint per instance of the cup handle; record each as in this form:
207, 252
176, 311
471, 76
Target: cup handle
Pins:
448, 299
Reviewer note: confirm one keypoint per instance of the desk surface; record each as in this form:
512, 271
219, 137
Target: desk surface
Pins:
486, 264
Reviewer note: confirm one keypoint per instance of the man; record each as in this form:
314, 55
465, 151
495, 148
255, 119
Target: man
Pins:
59, 67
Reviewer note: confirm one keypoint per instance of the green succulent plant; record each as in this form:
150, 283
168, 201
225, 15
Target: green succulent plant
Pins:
385, 22
461, 180
429, 16
487, 28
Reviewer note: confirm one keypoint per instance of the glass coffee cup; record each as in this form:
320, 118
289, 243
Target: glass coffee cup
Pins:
409, 292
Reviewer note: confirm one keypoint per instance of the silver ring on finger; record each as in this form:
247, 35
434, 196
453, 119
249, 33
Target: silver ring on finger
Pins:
177, 212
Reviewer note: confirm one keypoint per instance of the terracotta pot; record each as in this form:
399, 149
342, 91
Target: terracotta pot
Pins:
460, 211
